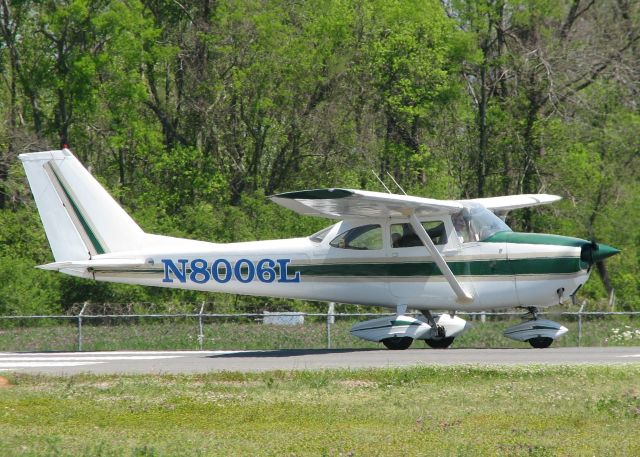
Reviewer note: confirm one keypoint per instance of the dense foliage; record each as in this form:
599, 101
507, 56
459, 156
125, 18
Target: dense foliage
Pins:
192, 112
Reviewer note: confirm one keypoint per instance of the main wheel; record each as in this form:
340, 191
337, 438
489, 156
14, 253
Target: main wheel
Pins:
440, 343
540, 342
398, 343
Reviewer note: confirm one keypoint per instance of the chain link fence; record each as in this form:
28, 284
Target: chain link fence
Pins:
118, 327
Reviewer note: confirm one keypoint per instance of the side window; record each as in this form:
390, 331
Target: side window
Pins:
403, 235
365, 237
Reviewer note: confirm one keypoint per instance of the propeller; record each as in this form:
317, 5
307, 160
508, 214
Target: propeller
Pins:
596, 252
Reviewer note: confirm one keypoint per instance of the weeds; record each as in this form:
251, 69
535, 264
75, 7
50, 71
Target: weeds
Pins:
515, 411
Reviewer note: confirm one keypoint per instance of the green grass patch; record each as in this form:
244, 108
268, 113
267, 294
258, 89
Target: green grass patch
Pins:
542, 411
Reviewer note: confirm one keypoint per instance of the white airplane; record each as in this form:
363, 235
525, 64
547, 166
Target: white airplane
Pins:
395, 251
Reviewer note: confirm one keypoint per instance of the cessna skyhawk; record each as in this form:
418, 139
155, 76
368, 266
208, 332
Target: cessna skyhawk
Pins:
396, 251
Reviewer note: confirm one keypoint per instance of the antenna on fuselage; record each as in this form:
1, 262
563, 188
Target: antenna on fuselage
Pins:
381, 181
396, 183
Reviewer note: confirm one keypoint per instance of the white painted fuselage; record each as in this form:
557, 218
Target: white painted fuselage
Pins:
388, 250
491, 271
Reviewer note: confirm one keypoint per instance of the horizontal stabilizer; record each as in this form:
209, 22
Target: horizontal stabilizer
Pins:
90, 265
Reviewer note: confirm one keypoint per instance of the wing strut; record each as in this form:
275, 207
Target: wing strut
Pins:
463, 296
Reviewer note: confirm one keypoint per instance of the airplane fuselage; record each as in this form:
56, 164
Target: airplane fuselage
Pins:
507, 270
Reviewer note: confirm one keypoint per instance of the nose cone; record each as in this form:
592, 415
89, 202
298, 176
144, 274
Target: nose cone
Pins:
595, 252
603, 251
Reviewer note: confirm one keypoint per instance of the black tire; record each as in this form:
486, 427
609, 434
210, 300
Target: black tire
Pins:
398, 343
540, 342
440, 343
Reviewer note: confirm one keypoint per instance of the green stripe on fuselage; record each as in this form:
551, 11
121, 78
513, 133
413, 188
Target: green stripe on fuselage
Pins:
503, 267
557, 265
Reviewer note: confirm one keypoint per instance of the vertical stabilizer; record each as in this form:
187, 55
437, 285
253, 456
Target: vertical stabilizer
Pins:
80, 218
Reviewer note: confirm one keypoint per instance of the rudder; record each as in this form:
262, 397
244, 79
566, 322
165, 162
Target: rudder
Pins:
80, 218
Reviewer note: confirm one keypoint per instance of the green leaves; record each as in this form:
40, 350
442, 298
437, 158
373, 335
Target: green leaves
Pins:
191, 113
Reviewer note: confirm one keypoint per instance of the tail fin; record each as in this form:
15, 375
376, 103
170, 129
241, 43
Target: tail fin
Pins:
80, 218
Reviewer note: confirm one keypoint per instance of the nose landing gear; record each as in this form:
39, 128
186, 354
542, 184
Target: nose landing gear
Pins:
539, 333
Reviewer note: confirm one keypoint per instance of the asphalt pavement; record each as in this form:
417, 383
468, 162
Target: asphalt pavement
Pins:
176, 362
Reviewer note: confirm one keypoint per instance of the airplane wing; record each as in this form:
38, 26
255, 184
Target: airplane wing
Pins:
511, 202
341, 203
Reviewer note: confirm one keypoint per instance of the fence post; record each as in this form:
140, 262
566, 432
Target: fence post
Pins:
331, 319
201, 334
612, 300
80, 326
584, 302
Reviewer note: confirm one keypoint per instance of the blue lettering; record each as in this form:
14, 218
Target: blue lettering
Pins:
238, 271
170, 267
221, 271
215, 271
266, 270
199, 273
282, 264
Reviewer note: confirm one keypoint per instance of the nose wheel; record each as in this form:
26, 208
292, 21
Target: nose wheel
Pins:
539, 333
540, 342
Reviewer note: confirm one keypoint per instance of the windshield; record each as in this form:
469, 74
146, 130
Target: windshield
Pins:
319, 236
477, 223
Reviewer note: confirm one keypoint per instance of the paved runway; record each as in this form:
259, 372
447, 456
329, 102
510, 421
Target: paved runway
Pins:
129, 362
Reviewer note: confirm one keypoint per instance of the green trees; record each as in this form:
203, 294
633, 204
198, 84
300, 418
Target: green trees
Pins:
192, 112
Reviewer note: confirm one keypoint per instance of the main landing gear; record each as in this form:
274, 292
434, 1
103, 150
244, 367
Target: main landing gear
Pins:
397, 343
440, 343
539, 333
398, 332
439, 338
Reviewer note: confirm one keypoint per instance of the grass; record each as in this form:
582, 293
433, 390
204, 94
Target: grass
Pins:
444, 411
181, 333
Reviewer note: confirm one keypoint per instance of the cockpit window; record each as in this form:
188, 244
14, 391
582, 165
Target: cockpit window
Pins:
364, 237
477, 223
318, 237
403, 235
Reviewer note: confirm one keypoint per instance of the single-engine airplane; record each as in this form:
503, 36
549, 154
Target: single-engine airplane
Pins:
390, 250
